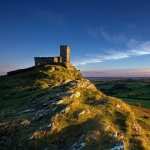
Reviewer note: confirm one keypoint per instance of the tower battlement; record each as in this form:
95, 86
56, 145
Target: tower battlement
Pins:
63, 59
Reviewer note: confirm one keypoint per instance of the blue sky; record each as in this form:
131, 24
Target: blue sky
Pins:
103, 34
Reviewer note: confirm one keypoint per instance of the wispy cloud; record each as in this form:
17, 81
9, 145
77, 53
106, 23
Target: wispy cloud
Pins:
101, 33
115, 38
135, 48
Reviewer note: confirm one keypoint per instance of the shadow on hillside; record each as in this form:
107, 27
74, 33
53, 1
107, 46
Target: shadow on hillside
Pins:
69, 135
90, 132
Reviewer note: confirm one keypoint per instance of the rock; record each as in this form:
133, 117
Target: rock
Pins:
72, 83
60, 102
82, 112
115, 135
119, 135
76, 95
79, 144
46, 128
82, 144
87, 111
26, 111
45, 104
67, 81
118, 106
136, 128
107, 127
52, 69
50, 125
118, 146
25, 123
67, 109
35, 134
41, 113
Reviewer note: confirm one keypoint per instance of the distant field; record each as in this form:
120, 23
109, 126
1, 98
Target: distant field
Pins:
135, 91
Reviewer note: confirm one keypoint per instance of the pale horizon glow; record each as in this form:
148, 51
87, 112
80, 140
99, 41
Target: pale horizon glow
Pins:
118, 73
101, 73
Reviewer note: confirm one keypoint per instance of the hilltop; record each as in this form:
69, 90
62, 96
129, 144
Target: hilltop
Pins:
54, 108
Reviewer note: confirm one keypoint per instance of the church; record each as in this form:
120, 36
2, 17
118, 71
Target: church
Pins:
63, 59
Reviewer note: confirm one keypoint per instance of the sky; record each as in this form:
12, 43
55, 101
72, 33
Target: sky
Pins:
107, 37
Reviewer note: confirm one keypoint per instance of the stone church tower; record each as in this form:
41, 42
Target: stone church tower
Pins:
65, 54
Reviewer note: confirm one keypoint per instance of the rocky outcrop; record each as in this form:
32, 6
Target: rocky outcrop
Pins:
60, 110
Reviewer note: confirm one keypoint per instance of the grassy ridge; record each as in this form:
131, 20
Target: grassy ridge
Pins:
22, 89
52, 107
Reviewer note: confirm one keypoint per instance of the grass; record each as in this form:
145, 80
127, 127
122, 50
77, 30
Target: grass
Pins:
82, 115
22, 89
94, 120
133, 91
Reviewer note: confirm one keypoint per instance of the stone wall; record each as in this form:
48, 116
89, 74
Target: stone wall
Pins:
47, 60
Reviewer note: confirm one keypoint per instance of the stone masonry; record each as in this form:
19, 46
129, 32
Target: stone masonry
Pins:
63, 59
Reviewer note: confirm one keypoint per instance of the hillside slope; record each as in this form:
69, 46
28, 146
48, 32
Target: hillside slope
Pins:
54, 108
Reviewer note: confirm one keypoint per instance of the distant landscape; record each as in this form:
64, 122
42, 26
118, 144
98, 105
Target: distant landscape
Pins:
135, 91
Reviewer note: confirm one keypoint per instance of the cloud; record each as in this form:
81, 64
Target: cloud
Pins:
113, 38
134, 49
99, 32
